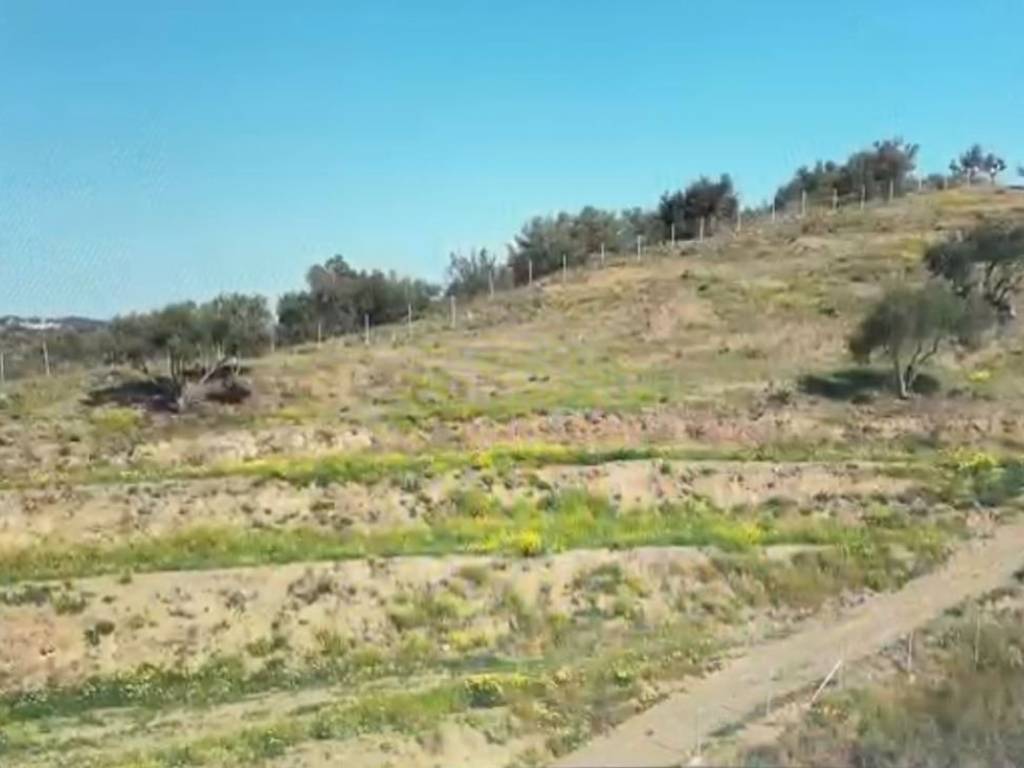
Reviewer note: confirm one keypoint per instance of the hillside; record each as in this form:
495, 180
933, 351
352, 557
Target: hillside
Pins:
487, 544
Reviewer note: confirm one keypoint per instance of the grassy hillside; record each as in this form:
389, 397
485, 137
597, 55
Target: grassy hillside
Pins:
480, 545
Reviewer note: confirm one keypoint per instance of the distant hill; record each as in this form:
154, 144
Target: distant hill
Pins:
69, 323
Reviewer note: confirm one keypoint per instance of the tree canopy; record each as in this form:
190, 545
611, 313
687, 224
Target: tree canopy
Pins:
339, 297
975, 161
988, 261
712, 201
231, 324
871, 169
473, 273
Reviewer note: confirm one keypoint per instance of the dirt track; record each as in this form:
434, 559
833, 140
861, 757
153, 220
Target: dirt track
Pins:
669, 733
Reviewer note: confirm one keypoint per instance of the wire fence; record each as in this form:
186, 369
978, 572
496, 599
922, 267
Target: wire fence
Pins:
47, 354
697, 724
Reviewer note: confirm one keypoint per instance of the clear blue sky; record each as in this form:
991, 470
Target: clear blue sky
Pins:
153, 151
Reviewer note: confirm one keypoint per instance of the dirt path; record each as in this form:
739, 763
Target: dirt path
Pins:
670, 733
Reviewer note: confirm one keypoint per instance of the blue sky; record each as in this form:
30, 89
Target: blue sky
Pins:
154, 151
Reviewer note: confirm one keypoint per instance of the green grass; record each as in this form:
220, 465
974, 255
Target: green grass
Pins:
221, 680
590, 695
557, 639
564, 521
375, 467
407, 713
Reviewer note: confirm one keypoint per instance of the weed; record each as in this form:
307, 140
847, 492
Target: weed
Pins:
529, 543
95, 633
116, 422
475, 574
67, 602
567, 520
266, 646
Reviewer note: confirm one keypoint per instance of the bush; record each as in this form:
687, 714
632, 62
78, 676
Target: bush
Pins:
484, 691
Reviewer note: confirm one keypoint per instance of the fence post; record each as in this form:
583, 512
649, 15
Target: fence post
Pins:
408, 318
700, 235
366, 329
803, 203
696, 732
638, 238
835, 199
565, 268
451, 304
490, 283
892, 189
977, 640
863, 195
826, 681
529, 271
3, 369
673, 228
602, 253
739, 219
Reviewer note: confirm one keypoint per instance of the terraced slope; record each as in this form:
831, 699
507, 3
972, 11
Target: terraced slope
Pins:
488, 546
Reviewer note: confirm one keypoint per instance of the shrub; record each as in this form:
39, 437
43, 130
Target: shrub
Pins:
987, 262
529, 544
909, 325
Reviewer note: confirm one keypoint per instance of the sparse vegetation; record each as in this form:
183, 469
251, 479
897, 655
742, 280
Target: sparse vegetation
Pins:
509, 496
569, 520
964, 709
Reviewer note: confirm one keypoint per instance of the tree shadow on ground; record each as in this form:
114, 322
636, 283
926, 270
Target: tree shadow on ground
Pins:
151, 394
157, 394
231, 392
860, 385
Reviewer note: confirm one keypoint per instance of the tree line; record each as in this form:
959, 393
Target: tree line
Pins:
545, 243
338, 299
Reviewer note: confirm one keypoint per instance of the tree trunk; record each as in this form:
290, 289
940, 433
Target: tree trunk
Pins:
909, 377
902, 385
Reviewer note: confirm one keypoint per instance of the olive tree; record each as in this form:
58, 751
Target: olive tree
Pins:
703, 199
975, 161
471, 273
909, 325
988, 262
